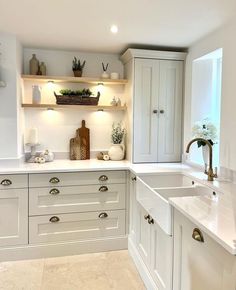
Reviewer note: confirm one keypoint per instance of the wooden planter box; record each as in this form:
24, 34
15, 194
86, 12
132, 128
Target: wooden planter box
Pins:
77, 99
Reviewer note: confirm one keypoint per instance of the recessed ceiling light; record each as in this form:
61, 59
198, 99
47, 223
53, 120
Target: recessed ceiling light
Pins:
114, 29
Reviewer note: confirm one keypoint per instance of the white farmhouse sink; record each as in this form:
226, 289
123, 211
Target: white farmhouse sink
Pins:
153, 192
170, 180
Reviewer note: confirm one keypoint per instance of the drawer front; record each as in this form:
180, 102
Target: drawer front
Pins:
13, 181
76, 198
76, 226
76, 178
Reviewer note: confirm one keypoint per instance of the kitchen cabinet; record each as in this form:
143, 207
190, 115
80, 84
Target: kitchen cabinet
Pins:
155, 250
155, 109
13, 217
199, 261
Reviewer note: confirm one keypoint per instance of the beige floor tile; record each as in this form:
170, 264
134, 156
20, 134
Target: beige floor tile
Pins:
101, 271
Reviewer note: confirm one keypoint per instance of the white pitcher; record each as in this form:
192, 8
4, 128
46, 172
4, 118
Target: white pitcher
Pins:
36, 99
117, 152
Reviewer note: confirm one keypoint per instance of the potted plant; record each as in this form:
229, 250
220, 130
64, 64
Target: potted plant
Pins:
117, 150
77, 67
207, 130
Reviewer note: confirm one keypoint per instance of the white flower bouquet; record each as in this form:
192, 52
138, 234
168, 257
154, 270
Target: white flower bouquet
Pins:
205, 129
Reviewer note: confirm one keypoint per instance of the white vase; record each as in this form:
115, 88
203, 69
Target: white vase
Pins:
36, 94
205, 154
117, 152
105, 75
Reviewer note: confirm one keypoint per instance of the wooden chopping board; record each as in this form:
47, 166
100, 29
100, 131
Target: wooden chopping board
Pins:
80, 145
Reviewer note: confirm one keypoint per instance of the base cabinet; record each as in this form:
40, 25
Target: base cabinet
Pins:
154, 248
200, 265
13, 217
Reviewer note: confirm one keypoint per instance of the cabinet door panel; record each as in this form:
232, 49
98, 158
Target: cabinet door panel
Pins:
145, 101
143, 236
161, 257
205, 266
13, 217
170, 108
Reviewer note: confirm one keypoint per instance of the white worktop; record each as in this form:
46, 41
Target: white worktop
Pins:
216, 217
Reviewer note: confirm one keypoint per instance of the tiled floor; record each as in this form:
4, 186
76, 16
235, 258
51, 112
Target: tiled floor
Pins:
101, 271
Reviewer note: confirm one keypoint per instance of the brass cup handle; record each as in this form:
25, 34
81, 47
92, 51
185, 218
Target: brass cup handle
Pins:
197, 235
103, 178
54, 219
103, 215
54, 180
54, 191
103, 188
6, 182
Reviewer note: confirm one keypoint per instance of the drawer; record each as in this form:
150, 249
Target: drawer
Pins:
47, 200
76, 226
76, 178
13, 181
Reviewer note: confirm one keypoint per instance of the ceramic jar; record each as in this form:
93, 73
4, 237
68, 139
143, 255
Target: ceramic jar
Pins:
34, 65
42, 69
105, 75
115, 76
36, 94
117, 152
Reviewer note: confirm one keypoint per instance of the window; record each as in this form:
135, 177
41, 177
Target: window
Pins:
206, 97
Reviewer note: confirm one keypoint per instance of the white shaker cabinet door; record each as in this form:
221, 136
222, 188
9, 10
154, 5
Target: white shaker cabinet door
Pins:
200, 265
13, 217
146, 84
170, 111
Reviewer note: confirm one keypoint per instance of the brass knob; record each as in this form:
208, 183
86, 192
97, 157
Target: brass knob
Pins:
162, 111
103, 215
103, 178
6, 182
54, 191
54, 219
147, 217
103, 188
134, 178
197, 235
151, 221
54, 180
155, 111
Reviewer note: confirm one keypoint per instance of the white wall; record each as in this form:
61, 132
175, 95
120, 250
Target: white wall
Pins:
225, 38
57, 127
10, 67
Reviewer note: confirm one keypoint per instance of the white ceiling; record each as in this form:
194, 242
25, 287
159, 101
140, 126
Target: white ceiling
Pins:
85, 24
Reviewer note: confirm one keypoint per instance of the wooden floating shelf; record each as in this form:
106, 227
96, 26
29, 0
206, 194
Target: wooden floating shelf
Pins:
77, 107
64, 79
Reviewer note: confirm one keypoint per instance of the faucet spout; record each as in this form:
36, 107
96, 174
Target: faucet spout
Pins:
210, 172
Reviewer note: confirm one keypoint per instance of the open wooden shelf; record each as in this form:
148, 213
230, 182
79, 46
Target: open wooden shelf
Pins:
77, 107
64, 79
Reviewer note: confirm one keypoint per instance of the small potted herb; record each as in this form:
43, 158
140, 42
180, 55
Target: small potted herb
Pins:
77, 67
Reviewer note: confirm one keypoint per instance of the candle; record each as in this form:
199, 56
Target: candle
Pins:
33, 136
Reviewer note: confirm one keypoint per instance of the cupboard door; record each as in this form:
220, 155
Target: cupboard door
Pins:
170, 111
146, 84
13, 217
161, 258
200, 265
143, 236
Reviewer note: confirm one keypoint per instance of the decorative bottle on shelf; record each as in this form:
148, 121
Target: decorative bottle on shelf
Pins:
36, 94
43, 68
34, 65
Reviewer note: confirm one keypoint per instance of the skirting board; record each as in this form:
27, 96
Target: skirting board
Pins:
142, 269
62, 249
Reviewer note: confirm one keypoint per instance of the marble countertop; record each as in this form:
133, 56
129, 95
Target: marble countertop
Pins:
217, 217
